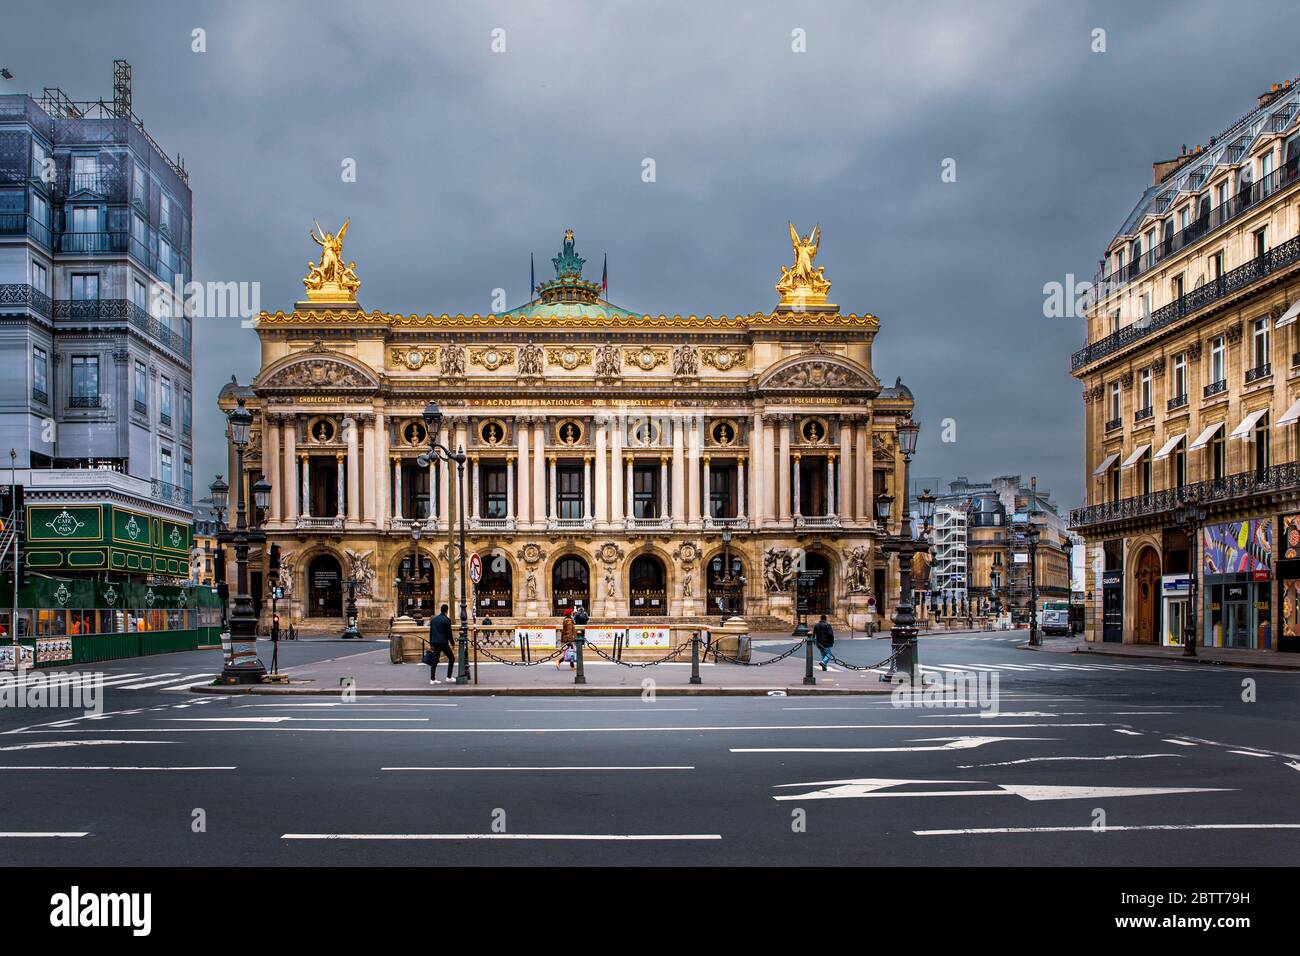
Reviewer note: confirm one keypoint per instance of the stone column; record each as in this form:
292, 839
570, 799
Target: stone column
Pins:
757, 443
663, 486
353, 472
783, 473
396, 472
443, 474
740, 486
271, 462
694, 510
602, 473
368, 474
705, 511
474, 510
522, 426
383, 508
631, 511
340, 485
304, 462
510, 487
553, 495
289, 425
616, 470
847, 501
795, 504
830, 485
586, 487
679, 473
865, 472
539, 470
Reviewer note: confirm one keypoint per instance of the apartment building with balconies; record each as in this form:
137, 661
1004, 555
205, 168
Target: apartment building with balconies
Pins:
1191, 389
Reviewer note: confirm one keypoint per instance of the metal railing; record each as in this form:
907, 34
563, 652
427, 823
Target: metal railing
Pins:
1114, 423
1244, 484
1258, 372
1178, 401
166, 491
1142, 414
1234, 280
1214, 388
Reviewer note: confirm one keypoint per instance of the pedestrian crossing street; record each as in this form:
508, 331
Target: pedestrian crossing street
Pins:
170, 680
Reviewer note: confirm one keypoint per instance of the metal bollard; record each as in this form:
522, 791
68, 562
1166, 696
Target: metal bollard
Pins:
695, 657
807, 663
579, 639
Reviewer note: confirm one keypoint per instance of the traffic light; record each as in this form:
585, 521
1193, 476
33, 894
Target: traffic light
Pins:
275, 559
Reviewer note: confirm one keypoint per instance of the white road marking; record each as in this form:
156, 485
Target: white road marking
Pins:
1010, 763
548, 730
339, 703
115, 768
174, 679
500, 836
475, 769
279, 720
873, 787
953, 743
1114, 829
80, 743
1248, 753
1131, 733
653, 709
1180, 743
8, 835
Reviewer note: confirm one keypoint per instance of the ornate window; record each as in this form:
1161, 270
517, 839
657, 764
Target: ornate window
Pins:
724, 432
322, 430
568, 431
414, 433
814, 431
493, 432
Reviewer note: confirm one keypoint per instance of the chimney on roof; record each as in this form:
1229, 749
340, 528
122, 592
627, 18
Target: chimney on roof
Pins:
1163, 169
1271, 94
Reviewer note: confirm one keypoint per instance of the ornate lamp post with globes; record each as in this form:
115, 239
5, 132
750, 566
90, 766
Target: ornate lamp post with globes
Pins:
433, 422
1189, 516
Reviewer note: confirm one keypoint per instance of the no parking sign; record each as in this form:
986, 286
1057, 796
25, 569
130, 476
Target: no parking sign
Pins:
475, 568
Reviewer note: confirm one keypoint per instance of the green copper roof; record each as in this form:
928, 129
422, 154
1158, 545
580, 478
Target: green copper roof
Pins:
597, 309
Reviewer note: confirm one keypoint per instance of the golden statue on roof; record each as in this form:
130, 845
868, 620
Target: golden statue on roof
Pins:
331, 281
801, 285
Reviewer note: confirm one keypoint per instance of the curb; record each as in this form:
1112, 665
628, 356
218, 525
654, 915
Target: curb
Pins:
575, 690
1119, 655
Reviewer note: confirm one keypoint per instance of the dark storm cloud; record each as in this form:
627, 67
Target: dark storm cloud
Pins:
468, 160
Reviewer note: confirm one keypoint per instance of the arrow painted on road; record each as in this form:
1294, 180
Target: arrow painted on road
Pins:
951, 743
880, 787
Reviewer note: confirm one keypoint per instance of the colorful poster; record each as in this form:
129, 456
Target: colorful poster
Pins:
7, 657
1237, 547
1291, 536
1290, 593
53, 649
649, 637
538, 637
603, 636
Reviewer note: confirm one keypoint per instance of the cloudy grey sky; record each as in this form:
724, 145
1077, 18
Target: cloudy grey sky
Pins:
468, 160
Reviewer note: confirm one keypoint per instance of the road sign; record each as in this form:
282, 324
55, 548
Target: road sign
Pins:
475, 568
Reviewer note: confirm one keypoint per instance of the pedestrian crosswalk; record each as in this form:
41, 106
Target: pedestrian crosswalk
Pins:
1060, 667
170, 680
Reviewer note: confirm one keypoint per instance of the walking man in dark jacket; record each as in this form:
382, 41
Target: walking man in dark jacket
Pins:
824, 638
439, 644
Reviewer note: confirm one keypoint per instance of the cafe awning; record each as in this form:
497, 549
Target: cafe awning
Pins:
1167, 448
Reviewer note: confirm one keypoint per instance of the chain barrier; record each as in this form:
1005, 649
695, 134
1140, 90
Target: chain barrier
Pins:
541, 660
613, 660
871, 667
718, 655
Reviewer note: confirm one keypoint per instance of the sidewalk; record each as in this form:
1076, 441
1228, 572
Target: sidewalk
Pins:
1224, 656
371, 673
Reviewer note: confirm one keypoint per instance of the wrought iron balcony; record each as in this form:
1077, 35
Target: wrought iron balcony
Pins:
166, 491
40, 395
1177, 402
1288, 253
1258, 372
1214, 388
83, 401
1239, 486
1142, 414
1114, 423
22, 294
141, 408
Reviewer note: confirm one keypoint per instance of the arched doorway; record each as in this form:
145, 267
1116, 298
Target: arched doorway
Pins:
814, 585
725, 596
415, 587
647, 587
325, 587
1146, 577
495, 594
570, 584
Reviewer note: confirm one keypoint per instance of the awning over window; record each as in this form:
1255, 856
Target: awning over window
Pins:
1167, 448
1290, 315
1204, 437
1106, 464
1246, 429
1138, 452
1292, 414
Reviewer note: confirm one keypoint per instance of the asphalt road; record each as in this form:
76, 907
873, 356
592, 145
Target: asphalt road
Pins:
1169, 757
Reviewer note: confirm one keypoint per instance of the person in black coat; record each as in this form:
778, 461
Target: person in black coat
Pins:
824, 638
439, 644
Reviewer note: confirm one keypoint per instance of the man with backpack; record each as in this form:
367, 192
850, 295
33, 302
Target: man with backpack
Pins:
439, 644
824, 638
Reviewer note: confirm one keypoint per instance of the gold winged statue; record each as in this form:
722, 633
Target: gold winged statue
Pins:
801, 284
331, 281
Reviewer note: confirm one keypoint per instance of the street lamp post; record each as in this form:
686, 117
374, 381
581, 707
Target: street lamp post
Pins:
902, 631
220, 492
1190, 516
433, 422
350, 631
1031, 539
243, 665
